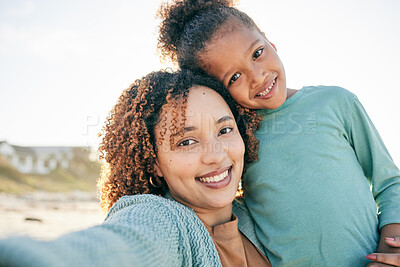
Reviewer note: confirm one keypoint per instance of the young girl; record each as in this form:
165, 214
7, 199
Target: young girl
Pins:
175, 157
309, 193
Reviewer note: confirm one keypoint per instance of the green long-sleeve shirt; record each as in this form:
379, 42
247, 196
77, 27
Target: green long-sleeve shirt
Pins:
309, 193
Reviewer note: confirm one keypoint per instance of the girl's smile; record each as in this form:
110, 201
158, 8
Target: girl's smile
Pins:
267, 90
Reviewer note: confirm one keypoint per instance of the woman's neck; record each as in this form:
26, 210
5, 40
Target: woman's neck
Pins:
217, 216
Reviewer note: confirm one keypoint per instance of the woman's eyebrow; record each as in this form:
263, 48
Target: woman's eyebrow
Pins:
194, 128
185, 130
223, 119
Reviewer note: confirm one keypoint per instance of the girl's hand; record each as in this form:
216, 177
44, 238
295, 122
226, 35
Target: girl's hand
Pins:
386, 259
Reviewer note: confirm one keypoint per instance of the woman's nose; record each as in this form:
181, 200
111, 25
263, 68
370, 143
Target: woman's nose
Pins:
213, 153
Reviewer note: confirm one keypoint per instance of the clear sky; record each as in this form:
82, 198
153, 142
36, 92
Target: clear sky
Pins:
63, 64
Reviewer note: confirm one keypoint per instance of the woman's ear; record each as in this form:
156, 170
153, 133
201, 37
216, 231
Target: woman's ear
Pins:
158, 169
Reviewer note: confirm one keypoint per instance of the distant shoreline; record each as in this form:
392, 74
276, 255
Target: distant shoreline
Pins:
47, 215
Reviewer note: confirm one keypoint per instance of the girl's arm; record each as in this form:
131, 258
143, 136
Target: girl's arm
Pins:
386, 259
387, 245
380, 170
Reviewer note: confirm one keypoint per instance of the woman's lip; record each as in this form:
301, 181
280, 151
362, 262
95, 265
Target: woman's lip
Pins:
270, 93
214, 173
219, 184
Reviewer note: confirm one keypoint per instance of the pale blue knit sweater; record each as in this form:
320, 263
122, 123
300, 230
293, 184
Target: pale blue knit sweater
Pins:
141, 230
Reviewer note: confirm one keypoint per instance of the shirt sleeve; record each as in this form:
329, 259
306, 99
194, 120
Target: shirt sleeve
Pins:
377, 164
131, 236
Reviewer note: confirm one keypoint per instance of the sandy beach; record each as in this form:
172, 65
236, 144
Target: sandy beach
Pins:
45, 215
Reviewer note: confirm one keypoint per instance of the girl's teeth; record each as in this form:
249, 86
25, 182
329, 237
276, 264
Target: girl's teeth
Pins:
268, 89
215, 178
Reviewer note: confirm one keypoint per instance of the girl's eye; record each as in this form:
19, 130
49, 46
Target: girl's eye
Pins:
225, 130
234, 78
186, 142
258, 53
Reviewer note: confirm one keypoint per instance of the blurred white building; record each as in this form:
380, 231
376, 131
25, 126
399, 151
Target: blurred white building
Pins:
40, 160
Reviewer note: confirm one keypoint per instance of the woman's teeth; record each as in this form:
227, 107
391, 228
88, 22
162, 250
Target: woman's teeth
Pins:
215, 178
268, 89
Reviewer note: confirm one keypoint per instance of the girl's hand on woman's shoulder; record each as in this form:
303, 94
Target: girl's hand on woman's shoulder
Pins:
386, 259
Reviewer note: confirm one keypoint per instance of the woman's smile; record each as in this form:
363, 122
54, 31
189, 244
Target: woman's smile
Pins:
218, 180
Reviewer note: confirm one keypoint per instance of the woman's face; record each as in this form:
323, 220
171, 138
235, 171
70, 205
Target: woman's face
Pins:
204, 165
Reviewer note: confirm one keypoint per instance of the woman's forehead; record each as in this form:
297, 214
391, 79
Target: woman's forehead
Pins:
203, 105
207, 102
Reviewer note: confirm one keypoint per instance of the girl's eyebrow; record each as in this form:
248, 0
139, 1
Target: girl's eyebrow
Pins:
249, 50
252, 45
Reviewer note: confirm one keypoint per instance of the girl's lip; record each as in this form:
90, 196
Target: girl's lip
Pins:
270, 93
219, 184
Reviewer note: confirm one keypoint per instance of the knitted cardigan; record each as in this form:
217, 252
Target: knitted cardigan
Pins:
141, 230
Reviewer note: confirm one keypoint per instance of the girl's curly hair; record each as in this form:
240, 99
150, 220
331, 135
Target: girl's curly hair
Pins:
188, 26
128, 145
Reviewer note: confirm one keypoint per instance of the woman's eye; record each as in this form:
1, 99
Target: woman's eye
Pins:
234, 78
258, 53
187, 142
225, 130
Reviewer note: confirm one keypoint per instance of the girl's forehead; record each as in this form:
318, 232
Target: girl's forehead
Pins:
230, 25
238, 38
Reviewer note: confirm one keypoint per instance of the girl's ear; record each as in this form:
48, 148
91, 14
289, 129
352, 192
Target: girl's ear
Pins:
271, 43
158, 169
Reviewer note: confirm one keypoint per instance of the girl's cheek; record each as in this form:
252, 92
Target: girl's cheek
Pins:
235, 93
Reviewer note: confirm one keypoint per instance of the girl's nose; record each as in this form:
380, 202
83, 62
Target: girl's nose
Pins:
213, 153
257, 76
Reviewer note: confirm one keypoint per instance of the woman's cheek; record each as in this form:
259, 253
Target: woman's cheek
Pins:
187, 160
236, 146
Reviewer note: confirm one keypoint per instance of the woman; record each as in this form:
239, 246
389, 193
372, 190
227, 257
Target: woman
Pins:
175, 157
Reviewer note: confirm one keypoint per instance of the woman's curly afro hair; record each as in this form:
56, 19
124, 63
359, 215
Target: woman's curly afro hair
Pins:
188, 26
128, 145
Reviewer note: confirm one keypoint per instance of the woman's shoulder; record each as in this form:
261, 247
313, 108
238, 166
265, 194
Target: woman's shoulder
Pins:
239, 208
246, 222
167, 221
129, 201
148, 207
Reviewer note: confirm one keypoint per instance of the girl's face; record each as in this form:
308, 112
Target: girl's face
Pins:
204, 166
248, 65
